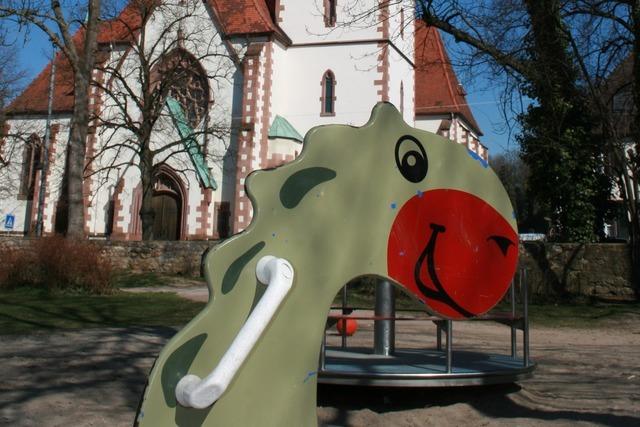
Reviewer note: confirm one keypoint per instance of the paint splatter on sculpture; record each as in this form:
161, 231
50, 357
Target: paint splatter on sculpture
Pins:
383, 199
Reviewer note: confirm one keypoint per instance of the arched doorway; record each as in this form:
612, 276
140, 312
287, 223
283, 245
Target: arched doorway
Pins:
168, 204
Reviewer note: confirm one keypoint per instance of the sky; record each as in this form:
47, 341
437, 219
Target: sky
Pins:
482, 95
485, 106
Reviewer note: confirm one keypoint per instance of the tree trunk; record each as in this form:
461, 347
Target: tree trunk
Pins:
76, 156
147, 214
635, 254
632, 198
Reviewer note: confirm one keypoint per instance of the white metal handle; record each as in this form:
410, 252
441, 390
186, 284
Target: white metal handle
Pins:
194, 392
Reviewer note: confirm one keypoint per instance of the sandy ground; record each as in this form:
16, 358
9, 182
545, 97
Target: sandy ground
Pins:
95, 377
583, 377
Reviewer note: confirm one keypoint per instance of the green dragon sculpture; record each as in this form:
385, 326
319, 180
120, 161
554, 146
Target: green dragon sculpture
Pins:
384, 199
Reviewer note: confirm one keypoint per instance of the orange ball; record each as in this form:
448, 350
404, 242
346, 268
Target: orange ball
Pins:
351, 326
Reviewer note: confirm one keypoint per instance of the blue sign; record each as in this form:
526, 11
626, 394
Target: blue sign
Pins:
9, 220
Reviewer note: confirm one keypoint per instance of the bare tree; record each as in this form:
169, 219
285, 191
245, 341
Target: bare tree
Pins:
606, 45
77, 39
11, 79
13, 160
563, 54
11, 76
602, 45
514, 174
158, 106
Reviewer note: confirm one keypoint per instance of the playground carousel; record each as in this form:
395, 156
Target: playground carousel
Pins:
428, 364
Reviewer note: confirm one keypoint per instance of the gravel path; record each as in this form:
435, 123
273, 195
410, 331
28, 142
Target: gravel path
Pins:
95, 377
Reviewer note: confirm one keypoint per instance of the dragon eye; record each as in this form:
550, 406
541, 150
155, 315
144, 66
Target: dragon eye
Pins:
502, 242
411, 159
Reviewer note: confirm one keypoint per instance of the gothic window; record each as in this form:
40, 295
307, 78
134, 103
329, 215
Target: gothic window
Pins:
189, 84
4, 128
31, 162
328, 98
330, 13
223, 219
622, 100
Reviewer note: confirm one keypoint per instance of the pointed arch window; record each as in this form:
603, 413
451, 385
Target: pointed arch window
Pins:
188, 84
328, 98
31, 163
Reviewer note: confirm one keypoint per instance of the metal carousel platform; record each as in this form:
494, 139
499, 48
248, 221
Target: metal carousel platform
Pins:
384, 365
420, 368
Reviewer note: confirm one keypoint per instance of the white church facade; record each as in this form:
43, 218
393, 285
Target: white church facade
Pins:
259, 72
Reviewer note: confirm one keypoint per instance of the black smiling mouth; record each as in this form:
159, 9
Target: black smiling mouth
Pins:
428, 254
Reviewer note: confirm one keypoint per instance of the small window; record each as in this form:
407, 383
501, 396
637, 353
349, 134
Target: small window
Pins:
402, 23
330, 13
622, 100
402, 98
328, 98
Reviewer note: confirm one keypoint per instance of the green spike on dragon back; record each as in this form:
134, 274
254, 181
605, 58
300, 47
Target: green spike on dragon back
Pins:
384, 199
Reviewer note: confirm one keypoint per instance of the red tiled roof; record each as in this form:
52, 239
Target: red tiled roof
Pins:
34, 99
235, 16
437, 88
122, 28
245, 17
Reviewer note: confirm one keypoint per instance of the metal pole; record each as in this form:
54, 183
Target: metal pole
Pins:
343, 320
513, 315
449, 346
525, 309
45, 150
384, 333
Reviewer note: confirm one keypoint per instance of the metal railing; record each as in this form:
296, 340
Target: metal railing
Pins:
384, 323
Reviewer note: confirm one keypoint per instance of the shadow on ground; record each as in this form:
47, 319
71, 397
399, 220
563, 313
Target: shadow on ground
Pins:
95, 377
81, 377
496, 402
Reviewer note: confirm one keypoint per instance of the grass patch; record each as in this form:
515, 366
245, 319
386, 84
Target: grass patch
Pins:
148, 280
135, 280
28, 310
578, 314
584, 315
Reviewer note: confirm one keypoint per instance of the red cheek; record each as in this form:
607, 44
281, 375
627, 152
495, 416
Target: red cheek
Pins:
453, 251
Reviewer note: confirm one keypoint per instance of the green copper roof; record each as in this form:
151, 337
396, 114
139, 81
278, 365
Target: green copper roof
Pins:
281, 128
190, 143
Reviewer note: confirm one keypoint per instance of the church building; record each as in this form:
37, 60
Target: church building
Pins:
255, 76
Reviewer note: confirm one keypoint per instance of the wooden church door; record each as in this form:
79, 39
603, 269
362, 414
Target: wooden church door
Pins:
167, 207
165, 222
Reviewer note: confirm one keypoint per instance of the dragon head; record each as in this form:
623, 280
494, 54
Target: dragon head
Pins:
390, 200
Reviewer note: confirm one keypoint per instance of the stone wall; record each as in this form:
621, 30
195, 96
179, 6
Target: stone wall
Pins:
601, 270
553, 270
165, 257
